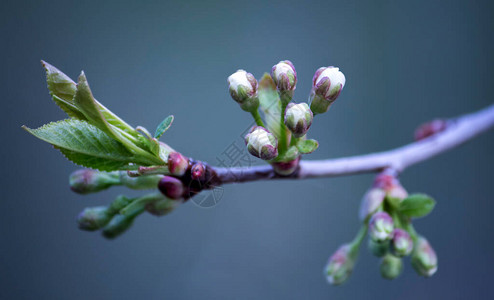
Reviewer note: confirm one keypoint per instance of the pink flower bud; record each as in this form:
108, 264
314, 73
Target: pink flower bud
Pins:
284, 75
171, 187
327, 84
177, 164
198, 171
285, 168
429, 129
340, 265
87, 181
424, 258
402, 243
381, 227
243, 89
261, 143
298, 118
391, 185
371, 202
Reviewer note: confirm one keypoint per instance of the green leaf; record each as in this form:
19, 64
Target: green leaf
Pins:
270, 104
393, 202
164, 126
417, 205
85, 145
93, 111
62, 90
307, 146
151, 143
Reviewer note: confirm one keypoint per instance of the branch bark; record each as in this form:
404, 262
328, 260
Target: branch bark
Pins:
458, 131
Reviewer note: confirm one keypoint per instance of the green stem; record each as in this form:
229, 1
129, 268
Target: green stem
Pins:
412, 232
143, 182
282, 143
257, 118
138, 205
357, 241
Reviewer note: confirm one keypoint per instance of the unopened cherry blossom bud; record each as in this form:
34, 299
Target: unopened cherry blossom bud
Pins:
243, 89
298, 118
161, 207
117, 225
381, 226
285, 77
391, 267
379, 249
261, 143
430, 128
327, 84
285, 168
177, 164
198, 171
402, 243
340, 265
87, 181
424, 259
371, 202
171, 187
391, 185
93, 218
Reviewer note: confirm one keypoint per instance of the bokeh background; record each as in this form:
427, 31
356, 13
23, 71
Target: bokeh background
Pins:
406, 62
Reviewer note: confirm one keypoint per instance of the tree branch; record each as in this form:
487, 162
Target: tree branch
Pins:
457, 132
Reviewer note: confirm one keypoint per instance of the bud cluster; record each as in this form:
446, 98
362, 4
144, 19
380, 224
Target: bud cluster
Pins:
282, 139
387, 211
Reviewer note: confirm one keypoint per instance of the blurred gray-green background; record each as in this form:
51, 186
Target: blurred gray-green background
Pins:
406, 62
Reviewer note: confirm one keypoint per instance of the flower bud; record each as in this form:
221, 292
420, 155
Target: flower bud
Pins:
402, 243
391, 185
284, 76
381, 227
261, 143
243, 89
298, 118
118, 225
177, 164
340, 265
86, 181
391, 267
429, 129
198, 171
424, 259
171, 187
285, 168
371, 202
379, 249
161, 207
93, 218
327, 84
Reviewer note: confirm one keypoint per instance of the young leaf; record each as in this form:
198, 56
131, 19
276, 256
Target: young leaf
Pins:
417, 205
151, 143
62, 90
85, 144
164, 126
90, 107
307, 146
270, 104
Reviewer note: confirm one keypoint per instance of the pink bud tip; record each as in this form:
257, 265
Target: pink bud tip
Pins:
429, 129
171, 187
